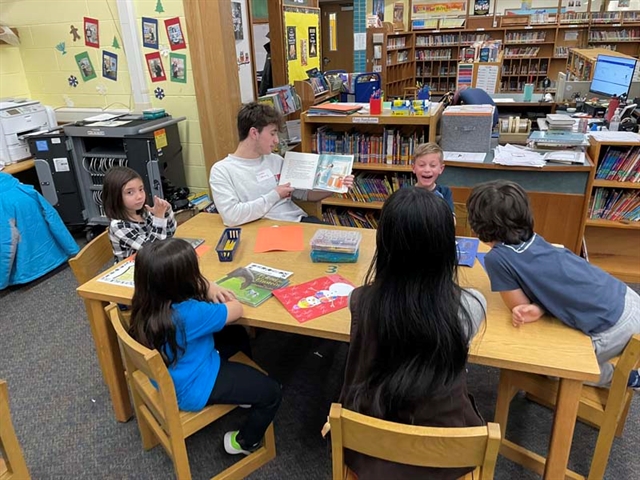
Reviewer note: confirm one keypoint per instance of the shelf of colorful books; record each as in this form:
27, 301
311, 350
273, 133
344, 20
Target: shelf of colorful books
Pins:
383, 167
602, 223
345, 202
616, 184
351, 218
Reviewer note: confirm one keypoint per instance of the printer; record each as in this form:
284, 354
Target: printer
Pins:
18, 118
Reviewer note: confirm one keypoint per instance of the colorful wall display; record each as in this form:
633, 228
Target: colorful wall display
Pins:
178, 64
302, 37
437, 7
156, 69
87, 72
109, 65
175, 34
149, 32
91, 32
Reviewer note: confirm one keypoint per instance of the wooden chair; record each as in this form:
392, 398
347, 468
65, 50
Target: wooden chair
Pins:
12, 464
160, 420
602, 408
88, 262
412, 445
463, 229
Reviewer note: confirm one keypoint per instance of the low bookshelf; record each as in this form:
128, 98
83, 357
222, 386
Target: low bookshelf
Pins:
612, 227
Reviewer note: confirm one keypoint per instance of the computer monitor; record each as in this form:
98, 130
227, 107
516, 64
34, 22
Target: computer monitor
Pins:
612, 75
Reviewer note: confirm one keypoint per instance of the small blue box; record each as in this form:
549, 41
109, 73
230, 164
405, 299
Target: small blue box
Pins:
229, 234
319, 256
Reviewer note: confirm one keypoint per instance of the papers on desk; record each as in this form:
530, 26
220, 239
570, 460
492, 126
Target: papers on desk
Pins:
516, 156
103, 117
471, 157
121, 276
565, 156
504, 100
615, 136
284, 239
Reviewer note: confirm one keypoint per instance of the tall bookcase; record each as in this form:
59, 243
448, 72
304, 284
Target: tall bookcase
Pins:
533, 48
382, 147
613, 245
581, 62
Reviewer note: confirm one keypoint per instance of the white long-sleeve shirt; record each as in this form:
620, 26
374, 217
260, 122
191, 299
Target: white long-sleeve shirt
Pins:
244, 190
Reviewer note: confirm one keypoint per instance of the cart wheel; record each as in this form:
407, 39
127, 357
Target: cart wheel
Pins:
91, 234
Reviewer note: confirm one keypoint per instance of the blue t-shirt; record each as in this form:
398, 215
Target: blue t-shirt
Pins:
196, 370
445, 192
567, 286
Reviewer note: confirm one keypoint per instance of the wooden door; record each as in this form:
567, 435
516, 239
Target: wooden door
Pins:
337, 36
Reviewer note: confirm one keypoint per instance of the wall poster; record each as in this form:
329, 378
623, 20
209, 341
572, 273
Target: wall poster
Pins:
244, 50
301, 41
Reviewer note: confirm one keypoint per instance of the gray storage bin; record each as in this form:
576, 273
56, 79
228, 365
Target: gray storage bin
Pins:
468, 132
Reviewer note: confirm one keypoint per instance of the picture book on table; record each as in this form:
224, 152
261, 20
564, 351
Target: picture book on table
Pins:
315, 298
254, 283
307, 171
467, 250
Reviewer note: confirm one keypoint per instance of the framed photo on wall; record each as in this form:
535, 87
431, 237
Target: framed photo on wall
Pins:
87, 72
91, 32
109, 65
178, 67
156, 70
150, 32
174, 33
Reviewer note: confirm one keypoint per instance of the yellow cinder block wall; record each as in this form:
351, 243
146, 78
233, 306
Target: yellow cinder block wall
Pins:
37, 70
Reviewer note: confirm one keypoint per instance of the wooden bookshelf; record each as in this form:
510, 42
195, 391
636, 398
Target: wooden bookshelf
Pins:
434, 53
613, 245
581, 62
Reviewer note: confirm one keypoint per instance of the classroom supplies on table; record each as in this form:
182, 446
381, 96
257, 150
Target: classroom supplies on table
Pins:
121, 276
228, 243
307, 171
318, 297
467, 250
280, 238
335, 246
253, 284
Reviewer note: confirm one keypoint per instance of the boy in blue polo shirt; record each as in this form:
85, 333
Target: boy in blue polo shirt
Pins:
534, 277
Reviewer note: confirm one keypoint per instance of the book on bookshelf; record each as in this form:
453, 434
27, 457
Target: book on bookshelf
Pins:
620, 165
615, 204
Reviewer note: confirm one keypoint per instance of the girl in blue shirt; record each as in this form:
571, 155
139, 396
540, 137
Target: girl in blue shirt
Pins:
179, 313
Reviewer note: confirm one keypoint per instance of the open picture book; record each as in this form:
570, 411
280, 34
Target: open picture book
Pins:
254, 283
308, 171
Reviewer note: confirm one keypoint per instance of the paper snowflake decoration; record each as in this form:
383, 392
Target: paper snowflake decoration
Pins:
73, 81
159, 93
164, 50
101, 89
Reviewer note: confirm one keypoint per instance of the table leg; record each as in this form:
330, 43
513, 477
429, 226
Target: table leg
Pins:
106, 343
564, 422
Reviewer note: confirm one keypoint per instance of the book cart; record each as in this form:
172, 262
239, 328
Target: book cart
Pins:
612, 238
382, 146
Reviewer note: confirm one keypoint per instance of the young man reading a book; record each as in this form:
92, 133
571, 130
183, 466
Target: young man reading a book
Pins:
245, 186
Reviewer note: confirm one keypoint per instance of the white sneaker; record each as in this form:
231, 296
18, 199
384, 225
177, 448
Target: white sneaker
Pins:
231, 445
244, 406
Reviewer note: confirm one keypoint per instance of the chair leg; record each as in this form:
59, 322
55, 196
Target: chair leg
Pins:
623, 417
506, 392
602, 451
149, 438
180, 458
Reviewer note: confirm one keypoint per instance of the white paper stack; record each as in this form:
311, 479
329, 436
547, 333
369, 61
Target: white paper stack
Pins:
516, 156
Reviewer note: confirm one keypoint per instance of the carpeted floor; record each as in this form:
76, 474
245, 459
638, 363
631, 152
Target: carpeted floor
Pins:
64, 421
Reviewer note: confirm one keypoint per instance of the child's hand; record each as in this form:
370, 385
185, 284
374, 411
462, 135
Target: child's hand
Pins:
160, 207
348, 181
526, 313
284, 190
219, 294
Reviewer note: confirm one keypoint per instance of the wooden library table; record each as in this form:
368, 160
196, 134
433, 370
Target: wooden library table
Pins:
545, 347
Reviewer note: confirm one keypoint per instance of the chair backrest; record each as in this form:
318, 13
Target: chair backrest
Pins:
629, 359
12, 464
364, 85
88, 262
143, 364
412, 445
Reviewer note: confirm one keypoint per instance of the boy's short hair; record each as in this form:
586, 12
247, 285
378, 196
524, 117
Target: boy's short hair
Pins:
426, 149
500, 211
258, 115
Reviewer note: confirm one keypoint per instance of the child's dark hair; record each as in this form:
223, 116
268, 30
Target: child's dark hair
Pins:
413, 323
256, 115
114, 180
166, 272
499, 211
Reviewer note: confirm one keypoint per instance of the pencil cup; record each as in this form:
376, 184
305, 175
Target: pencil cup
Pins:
528, 92
375, 106
228, 243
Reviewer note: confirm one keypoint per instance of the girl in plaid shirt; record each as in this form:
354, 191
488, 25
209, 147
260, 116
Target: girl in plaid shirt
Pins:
132, 222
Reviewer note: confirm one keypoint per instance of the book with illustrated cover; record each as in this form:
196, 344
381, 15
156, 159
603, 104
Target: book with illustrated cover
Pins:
307, 171
315, 298
122, 276
467, 250
254, 283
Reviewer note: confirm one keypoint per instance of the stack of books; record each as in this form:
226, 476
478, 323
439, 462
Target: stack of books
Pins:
334, 109
335, 246
557, 121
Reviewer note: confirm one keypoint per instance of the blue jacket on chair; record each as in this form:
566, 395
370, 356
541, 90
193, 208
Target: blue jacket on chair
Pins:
33, 238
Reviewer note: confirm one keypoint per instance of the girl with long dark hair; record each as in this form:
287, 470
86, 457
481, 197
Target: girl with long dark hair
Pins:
179, 313
411, 324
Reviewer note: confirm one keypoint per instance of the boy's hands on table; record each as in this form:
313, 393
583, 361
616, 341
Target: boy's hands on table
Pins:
527, 313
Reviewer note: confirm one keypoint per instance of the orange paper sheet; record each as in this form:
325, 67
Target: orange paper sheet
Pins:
202, 249
286, 239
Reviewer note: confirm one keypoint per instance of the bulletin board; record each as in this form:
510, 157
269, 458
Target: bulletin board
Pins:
301, 41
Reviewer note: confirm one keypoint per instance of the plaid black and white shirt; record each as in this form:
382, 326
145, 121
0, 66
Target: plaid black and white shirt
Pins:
127, 236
